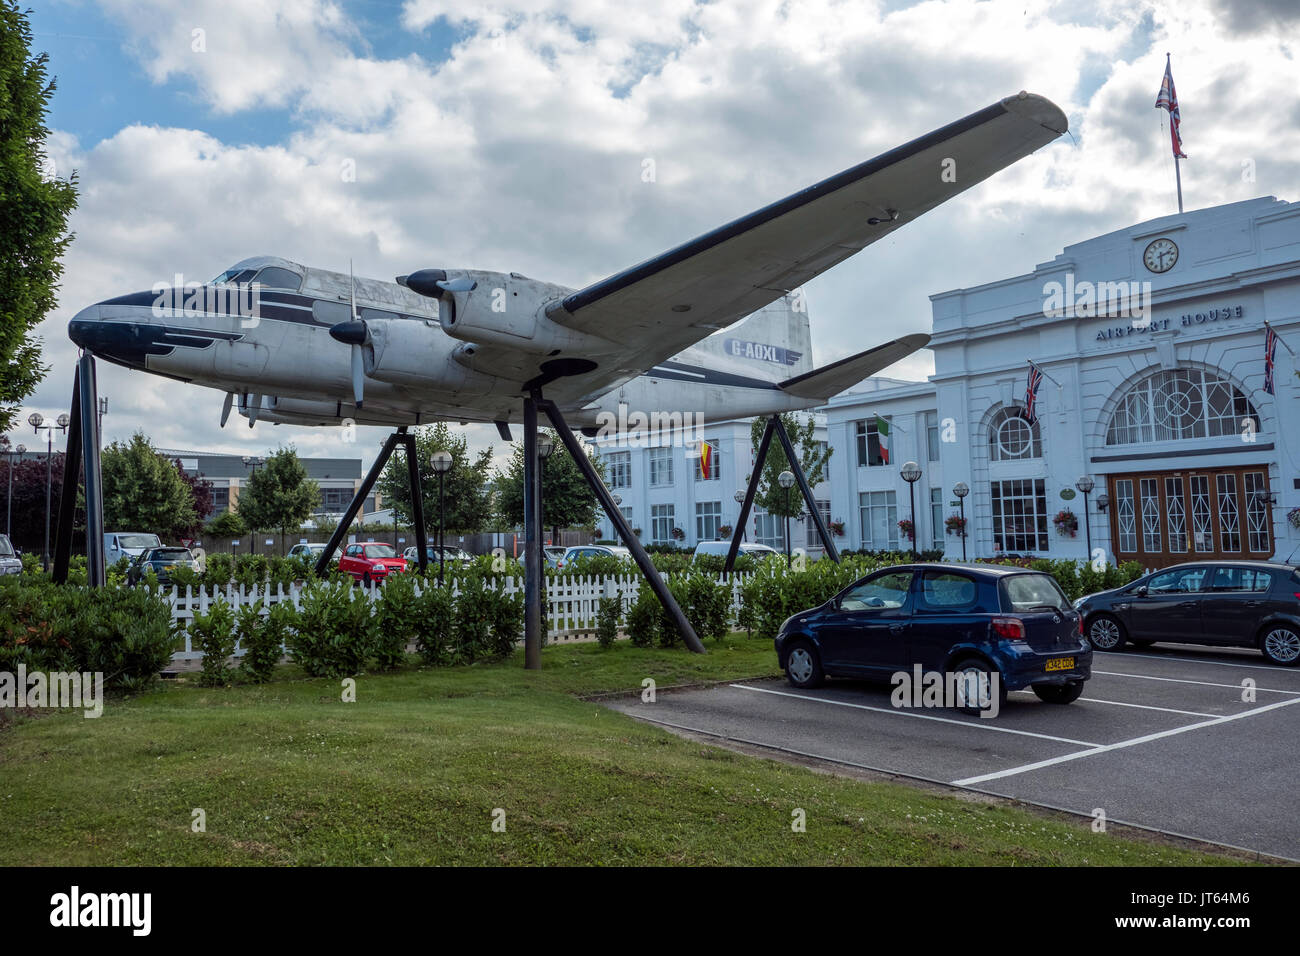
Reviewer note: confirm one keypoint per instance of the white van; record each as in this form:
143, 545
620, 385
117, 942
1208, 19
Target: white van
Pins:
719, 549
127, 544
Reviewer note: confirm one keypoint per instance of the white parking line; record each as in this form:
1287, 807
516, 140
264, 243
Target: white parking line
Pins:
1167, 710
1107, 748
1194, 660
904, 712
1202, 683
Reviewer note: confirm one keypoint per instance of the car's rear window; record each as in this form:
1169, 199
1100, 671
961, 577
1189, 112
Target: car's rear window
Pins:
1240, 579
171, 554
1027, 592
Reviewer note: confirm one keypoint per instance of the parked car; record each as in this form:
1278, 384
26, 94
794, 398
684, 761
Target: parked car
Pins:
128, 544
10, 562
312, 551
1224, 603
453, 555
973, 620
162, 561
371, 561
719, 549
593, 551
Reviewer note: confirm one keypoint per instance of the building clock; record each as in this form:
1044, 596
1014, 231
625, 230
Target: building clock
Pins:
1160, 255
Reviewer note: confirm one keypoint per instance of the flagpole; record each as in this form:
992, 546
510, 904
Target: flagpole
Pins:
1281, 341
1178, 175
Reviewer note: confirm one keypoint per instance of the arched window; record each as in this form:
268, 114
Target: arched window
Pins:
1178, 404
1012, 438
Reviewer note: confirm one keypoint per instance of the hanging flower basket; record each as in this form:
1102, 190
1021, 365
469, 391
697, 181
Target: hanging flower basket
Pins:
955, 524
906, 527
725, 530
1293, 516
1067, 523
678, 534
837, 527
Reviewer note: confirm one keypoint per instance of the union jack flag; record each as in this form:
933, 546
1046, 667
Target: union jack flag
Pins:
1031, 392
1270, 346
1167, 99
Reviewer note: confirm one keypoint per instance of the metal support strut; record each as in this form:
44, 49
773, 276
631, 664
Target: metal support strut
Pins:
776, 427
83, 442
615, 516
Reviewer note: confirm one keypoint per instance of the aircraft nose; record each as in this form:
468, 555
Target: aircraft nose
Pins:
85, 327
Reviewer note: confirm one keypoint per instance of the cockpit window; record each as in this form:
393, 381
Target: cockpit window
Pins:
233, 277
273, 277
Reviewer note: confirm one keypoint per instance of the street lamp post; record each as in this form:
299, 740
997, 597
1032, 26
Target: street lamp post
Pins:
1086, 484
786, 480
545, 445
911, 473
36, 420
251, 462
740, 500
441, 464
961, 490
19, 450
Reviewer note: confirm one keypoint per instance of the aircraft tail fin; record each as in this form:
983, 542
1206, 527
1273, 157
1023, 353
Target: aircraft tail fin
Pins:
832, 379
775, 340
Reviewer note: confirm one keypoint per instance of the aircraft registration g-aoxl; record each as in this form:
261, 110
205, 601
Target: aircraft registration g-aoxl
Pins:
464, 345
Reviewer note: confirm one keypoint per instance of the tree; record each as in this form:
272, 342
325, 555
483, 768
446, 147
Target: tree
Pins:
567, 499
279, 495
771, 497
200, 495
465, 483
144, 491
228, 524
34, 209
28, 509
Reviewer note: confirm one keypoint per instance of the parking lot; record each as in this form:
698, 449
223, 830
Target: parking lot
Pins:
1161, 738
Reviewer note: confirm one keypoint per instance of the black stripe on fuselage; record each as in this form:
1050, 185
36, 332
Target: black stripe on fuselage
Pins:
699, 375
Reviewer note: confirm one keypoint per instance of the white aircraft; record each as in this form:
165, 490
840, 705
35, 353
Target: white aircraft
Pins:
714, 325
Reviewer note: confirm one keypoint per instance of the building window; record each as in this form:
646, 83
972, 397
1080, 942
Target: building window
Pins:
1257, 512
708, 519
814, 540
661, 466
334, 500
662, 522
1020, 515
878, 511
932, 435
220, 499
618, 465
1125, 516
1012, 438
936, 518
712, 473
1178, 404
769, 530
869, 451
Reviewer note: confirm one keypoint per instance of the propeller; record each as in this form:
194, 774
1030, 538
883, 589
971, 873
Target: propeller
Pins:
354, 333
254, 409
225, 407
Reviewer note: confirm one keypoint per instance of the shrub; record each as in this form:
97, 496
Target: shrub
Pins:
644, 620
263, 638
214, 634
434, 627
608, 611
218, 572
708, 605
183, 576
397, 619
251, 571
473, 615
335, 630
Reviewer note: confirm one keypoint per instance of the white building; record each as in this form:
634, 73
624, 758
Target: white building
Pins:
662, 485
1153, 338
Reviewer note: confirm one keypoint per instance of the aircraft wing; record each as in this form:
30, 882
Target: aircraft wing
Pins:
657, 308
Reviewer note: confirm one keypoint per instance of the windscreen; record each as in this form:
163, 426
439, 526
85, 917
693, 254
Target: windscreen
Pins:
138, 540
380, 551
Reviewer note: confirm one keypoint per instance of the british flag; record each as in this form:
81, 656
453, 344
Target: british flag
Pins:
1167, 99
1270, 347
1031, 392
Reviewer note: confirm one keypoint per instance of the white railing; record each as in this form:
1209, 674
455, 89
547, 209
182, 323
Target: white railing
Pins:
570, 612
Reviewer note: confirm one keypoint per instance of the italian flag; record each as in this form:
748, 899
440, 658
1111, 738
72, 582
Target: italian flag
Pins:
882, 432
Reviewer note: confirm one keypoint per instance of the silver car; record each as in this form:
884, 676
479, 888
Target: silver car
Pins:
10, 563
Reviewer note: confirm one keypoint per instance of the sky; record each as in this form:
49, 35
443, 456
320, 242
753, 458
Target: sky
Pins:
511, 136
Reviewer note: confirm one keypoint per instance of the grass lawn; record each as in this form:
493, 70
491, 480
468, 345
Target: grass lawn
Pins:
411, 773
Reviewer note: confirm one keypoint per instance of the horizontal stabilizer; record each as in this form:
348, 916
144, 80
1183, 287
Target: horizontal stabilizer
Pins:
822, 383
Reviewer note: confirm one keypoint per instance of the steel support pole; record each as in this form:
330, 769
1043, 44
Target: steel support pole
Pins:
323, 562
750, 491
616, 518
832, 552
68, 494
533, 595
417, 502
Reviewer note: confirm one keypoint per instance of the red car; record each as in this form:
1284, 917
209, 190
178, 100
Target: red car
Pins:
371, 561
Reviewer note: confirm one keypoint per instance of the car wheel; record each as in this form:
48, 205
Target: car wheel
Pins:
1106, 633
975, 678
1281, 644
803, 666
1059, 693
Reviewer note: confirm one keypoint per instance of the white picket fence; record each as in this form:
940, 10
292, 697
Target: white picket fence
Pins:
570, 612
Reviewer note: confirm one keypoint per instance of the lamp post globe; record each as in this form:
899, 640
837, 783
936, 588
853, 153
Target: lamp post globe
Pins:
441, 462
786, 481
911, 473
36, 419
961, 490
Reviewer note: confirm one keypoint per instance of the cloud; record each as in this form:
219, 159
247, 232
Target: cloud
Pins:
523, 149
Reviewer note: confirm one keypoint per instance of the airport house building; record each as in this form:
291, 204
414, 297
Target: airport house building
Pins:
338, 478
1151, 342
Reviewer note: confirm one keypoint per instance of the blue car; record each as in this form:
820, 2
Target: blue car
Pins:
956, 619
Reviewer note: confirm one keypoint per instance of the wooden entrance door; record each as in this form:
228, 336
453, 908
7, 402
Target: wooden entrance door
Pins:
1159, 518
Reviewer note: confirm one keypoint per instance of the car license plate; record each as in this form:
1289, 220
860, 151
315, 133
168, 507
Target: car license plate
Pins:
1060, 664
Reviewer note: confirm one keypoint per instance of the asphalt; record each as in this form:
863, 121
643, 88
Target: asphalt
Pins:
1161, 738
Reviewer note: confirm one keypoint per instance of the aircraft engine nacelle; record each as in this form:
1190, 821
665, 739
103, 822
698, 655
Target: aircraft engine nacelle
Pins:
416, 354
494, 308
